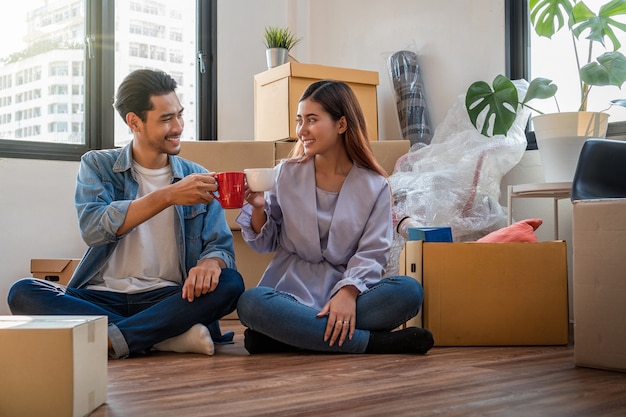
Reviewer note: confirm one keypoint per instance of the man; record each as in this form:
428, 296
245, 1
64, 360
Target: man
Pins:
161, 261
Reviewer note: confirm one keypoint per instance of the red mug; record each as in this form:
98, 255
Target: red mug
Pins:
230, 189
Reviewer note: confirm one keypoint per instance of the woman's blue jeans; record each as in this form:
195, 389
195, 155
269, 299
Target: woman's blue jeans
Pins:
136, 321
385, 306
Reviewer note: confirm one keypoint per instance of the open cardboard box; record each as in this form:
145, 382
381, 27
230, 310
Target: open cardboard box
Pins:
491, 294
57, 270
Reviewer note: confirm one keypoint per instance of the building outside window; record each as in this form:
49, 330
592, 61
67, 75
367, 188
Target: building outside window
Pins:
45, 61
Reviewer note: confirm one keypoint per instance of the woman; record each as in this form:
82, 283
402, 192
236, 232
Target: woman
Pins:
328, 217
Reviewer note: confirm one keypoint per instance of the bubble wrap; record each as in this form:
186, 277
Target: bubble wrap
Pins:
455, 180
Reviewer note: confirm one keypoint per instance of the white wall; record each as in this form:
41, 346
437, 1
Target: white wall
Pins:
360, 34
37, 217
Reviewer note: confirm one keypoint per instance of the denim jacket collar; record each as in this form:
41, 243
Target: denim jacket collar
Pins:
124, 162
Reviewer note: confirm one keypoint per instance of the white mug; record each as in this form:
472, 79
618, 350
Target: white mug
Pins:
260, 179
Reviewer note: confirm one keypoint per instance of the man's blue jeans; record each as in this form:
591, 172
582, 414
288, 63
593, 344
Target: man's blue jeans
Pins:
136, 321
385, 306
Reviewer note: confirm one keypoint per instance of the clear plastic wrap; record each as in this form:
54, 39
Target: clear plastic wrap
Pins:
410, 99
455, 181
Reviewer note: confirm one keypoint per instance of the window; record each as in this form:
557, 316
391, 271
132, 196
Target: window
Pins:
531, 56
72, 54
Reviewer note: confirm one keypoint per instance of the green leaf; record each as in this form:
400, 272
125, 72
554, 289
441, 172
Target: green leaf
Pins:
499, 105
277, 37
548, 16
610, 69
619, 102
600, 26
540, 88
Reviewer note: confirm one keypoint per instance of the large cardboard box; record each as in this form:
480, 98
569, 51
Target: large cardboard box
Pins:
278, 90
52, 365
58, 270
599, 293
493, 294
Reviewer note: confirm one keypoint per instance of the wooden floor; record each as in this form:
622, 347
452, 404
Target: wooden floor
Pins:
452, 381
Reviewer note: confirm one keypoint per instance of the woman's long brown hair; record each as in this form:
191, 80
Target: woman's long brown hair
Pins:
338, 100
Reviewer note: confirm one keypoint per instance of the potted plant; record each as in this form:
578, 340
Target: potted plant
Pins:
278, 43
608, 67
560, 136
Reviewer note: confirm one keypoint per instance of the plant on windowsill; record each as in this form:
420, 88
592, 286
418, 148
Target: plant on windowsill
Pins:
608, 68
278, 43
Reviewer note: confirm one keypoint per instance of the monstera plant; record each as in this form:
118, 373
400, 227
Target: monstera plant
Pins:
604, 64
599, 30
499, 103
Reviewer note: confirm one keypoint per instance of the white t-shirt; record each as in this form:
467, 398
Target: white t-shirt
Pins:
147, 257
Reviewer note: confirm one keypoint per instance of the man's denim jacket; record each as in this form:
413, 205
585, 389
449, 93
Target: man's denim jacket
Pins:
106, 186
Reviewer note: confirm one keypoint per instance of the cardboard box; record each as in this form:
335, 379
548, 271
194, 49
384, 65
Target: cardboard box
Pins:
387, 152
278, 90
599, 293
493, 294
250, 264
410, 264
52, 365
56, 270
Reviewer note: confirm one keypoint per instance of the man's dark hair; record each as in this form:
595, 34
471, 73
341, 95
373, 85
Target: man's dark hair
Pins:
135, 92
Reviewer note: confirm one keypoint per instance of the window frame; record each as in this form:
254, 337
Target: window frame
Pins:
99, 85
517, 46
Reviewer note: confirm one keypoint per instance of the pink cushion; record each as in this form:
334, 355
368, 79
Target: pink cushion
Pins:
522, 231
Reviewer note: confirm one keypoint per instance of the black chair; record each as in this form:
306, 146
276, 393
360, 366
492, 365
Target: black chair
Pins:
601, 170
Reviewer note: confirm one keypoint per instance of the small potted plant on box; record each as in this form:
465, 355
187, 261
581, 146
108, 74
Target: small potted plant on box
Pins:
278, 43
606, 68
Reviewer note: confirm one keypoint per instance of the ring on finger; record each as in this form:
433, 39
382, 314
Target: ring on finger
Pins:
346, 322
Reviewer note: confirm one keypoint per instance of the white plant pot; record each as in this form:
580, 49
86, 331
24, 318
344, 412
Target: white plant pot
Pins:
276, 57
560, 137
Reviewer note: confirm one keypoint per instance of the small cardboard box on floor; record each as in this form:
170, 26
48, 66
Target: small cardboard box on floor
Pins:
492, 294
52, 365
599, 265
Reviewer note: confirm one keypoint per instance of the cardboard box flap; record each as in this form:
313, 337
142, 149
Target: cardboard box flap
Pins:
314, 71
49, 265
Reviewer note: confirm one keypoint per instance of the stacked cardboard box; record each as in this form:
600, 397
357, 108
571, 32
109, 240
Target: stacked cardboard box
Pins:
278, 90
599, 264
